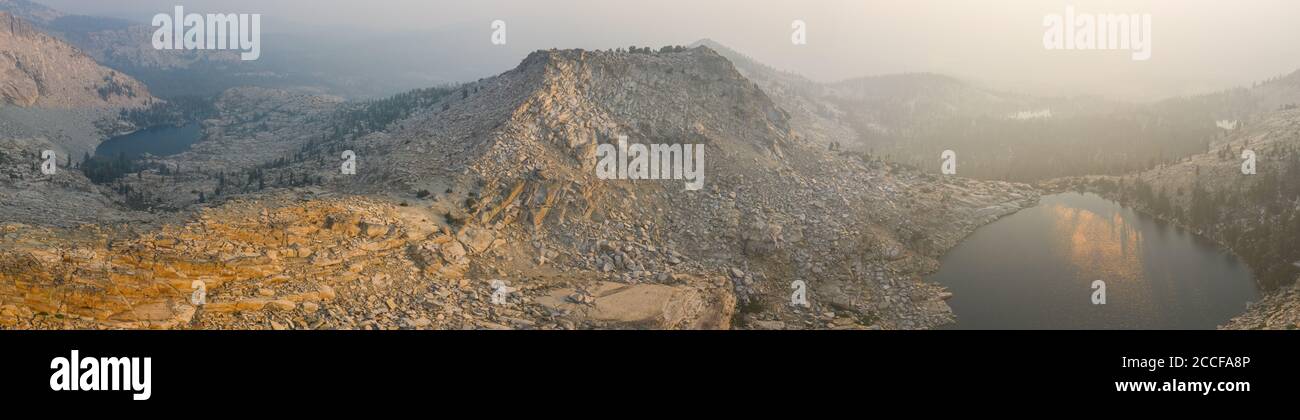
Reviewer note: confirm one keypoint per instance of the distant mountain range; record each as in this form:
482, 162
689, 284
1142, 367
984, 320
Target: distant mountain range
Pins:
333, 62
913, 118
830, 184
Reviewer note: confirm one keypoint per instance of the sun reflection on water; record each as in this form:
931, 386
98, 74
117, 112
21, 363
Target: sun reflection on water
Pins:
1106, 247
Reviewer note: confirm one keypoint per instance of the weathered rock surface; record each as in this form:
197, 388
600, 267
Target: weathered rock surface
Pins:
1279, 310
50, 90
697, 304
483, 211
65, 198
40, 70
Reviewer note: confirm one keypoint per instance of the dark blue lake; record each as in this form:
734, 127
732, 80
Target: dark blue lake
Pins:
158, 141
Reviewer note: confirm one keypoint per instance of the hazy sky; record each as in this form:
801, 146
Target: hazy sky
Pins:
1197, 45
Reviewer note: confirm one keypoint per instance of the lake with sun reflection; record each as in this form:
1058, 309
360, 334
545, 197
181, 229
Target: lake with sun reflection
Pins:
1034, 270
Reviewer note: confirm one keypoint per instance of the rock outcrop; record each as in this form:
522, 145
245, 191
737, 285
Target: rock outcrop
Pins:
1278, 310
482, 210
330, 263
38, 70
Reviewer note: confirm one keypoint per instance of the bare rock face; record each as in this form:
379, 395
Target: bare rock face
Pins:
477, 240
282, 264
66, 198
40, 70
243, 255
696, 305
1279, 310
486, 213
30, 11
859, 234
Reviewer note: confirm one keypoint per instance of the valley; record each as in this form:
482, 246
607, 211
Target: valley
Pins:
512, 202
497, 182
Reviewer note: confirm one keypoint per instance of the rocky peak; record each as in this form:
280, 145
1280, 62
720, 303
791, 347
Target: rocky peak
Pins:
549, 114
13, 26
30, 11
492, 183
40, 70
692, 96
